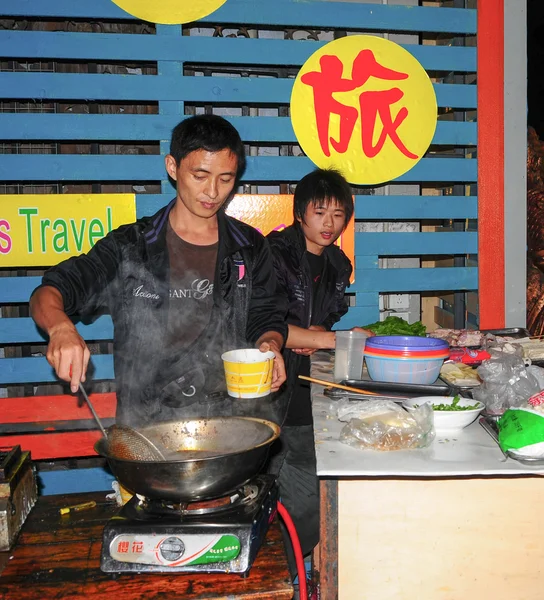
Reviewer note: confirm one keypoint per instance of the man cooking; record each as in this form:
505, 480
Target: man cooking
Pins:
182, 287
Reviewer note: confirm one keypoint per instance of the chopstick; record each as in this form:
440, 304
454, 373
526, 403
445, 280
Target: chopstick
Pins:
337, 385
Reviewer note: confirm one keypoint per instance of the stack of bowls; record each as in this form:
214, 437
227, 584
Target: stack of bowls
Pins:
405, 358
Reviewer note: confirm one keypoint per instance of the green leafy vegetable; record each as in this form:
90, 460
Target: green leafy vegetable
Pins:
396, 326
455, 405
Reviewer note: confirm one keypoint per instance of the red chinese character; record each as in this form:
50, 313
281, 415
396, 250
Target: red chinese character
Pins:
137, 547
122, 547
329, 81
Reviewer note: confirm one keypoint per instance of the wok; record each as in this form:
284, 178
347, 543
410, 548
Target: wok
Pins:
209, 458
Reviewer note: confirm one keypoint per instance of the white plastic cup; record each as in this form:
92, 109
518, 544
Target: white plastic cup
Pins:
349, 355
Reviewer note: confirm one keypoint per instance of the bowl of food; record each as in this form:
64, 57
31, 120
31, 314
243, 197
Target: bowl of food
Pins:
451, 413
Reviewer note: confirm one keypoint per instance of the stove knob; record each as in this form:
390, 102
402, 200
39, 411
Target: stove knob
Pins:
172, 548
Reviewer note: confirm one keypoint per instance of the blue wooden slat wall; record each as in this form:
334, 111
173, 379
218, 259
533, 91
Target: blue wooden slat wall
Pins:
170, 90
158, 127
145, 88
312, 13
232, 51
55, 167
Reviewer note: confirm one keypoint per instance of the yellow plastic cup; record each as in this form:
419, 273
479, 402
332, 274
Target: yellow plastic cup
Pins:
248, 372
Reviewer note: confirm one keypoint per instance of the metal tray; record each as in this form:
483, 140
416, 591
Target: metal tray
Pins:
517, 332
439, 388
490, 425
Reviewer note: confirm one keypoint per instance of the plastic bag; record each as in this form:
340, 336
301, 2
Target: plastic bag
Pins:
538, 373
384, 425
521, 431
506, 381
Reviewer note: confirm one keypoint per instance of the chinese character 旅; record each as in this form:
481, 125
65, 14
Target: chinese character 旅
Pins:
372, 104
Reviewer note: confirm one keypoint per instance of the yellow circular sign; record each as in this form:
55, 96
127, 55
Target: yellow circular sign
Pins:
169, 12
364, 105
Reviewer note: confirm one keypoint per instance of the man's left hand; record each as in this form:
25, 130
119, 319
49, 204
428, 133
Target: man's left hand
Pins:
279, 375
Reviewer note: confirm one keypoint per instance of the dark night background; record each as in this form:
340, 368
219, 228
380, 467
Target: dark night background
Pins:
535, 65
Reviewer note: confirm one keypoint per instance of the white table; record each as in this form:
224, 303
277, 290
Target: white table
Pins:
452, 521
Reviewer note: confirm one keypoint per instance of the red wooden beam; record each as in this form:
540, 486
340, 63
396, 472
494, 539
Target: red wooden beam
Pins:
51, 446
37, 409
490, 48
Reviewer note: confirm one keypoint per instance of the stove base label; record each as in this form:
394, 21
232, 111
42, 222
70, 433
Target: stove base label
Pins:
173, 550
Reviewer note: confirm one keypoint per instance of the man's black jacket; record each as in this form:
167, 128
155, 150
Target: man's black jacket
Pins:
294, 283
127, 275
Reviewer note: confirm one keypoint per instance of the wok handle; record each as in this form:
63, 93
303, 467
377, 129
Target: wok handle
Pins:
84, 393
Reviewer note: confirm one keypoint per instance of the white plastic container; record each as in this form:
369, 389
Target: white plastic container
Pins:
349, 355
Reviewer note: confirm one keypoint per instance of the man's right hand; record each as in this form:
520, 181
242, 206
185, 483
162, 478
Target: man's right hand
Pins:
68, 354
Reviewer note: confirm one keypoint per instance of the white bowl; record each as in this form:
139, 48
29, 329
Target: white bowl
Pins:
447, 421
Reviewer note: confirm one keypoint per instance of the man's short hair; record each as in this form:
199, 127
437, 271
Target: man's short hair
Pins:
323, 186
207, 132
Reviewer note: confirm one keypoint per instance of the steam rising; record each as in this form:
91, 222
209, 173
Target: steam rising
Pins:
159, 383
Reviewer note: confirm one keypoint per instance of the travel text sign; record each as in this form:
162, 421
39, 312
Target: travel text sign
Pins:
42, 230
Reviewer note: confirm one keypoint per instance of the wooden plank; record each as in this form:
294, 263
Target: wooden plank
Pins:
369, 261
85, 424
491, 251
23, 330
35, 409
398, 539
367, 298
134, 88
75, 481
71, 167
149, 204
425, 280
199, 49
328, 539
358, 316
387, 208
282, 12
367, 208
38, 530
375, 17
38, 370
61, 558
456, 133
15, 290
443, 317
415, 243
68, 444
44, 126
415, 280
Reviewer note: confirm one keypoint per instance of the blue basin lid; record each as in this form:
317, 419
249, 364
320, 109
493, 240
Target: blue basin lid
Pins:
405, 342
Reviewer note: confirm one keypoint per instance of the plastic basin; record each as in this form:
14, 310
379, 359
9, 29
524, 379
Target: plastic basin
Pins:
422, 370
406, 343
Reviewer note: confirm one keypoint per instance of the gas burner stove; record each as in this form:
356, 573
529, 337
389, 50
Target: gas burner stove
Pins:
145, 508
214, 536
